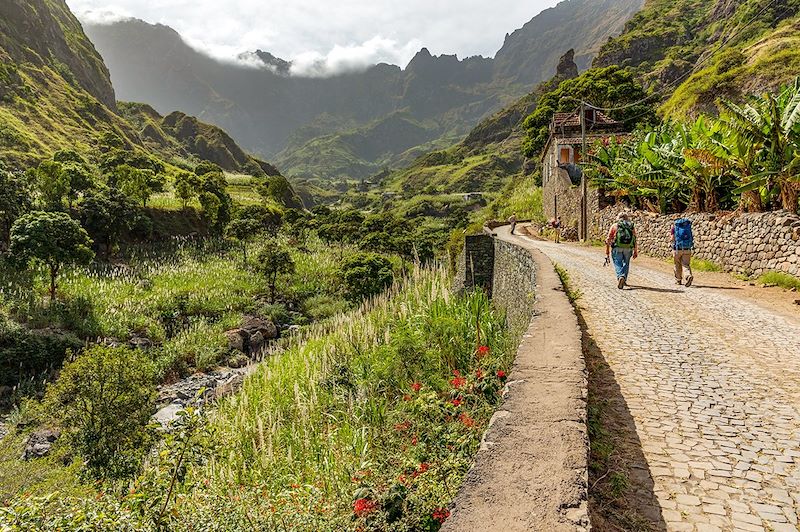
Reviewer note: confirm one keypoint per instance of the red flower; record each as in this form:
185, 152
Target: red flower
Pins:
441, 514
501, 375
414, 440
423, 467
479, 374
401, 479
466, 420
456, 373
483, 351
406, 397
455, 402
416, 386
458, 382
362, 507
295, 486
402, 427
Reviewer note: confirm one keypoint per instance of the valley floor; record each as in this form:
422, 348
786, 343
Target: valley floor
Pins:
709, 383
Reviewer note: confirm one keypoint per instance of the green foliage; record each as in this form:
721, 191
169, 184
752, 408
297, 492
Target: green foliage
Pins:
103, 400
784, 280
366, 275
53, 239
214, 199
242, 230
15, 200
138, 184
25, 354
187, 185
750, 156
274, 261
602, 87
106, 215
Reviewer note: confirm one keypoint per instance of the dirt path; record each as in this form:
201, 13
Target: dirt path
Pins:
710, 379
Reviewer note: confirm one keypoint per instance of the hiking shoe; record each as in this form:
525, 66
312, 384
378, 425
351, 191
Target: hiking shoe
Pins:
679, 282
621, 283
689, 281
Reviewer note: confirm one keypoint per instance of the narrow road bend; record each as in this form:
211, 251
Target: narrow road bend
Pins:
712, 384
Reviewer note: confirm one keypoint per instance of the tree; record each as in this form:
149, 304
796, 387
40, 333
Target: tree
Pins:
215, 200
611, 86
106, 215
79, 180
51, 184
53, 239
273, 262
243, 230
15, 200
366, 275
187, 185
138, 184
104, 400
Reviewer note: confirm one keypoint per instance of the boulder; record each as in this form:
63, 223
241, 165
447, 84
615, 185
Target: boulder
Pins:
140, 342
238, 340
253, 325
168, 414
39, 443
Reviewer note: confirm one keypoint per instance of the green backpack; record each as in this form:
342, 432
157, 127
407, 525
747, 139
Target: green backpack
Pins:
625, 237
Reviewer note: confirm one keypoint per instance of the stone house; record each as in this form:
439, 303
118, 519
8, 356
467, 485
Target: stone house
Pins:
562, 176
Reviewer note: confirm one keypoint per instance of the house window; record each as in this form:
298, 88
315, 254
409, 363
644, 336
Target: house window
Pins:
564, 155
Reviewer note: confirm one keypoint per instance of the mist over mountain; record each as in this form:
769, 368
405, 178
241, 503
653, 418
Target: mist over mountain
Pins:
269, 111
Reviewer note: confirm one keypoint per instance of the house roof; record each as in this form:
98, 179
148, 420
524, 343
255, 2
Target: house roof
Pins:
593, 118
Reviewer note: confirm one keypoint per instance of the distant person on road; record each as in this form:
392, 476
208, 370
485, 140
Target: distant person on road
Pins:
621, 247
557, 227
513, 221
682, 241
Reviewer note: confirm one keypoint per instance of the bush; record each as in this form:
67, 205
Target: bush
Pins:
24, 353
784, 280
366, 275
104, 400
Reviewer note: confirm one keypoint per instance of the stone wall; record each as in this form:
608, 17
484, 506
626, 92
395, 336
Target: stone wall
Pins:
507, 272
750, 244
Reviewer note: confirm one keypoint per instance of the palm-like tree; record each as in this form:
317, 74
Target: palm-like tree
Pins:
766, 129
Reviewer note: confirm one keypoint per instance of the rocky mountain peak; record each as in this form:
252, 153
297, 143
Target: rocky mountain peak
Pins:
567, 68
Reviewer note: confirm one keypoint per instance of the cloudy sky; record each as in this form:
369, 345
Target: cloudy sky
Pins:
329, 35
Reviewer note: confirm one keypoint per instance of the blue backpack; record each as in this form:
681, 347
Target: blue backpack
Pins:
684, 239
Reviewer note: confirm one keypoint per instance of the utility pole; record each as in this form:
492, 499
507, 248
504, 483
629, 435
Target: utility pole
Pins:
584, 188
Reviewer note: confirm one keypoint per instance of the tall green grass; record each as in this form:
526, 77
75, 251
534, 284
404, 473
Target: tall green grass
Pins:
367, 421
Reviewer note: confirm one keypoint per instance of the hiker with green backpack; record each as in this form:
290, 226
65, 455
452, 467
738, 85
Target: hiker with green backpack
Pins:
682, 248
621, 246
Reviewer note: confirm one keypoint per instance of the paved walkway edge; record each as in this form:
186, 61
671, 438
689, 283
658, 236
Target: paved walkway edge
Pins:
531, 472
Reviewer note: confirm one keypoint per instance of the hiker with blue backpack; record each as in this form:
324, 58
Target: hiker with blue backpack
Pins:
621, 247
682, 247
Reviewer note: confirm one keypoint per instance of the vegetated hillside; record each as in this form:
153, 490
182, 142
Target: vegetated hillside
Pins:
529, 55
268, 111
489, 156
184, 136
56, 93
694, 52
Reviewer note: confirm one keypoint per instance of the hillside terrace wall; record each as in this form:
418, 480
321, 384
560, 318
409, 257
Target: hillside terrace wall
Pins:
745, 243
507, 272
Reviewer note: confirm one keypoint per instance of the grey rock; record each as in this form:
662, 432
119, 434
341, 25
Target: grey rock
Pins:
39, 444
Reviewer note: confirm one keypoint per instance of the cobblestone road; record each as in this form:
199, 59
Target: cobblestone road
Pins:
713, 385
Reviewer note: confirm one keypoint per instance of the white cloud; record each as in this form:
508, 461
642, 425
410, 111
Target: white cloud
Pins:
322, 37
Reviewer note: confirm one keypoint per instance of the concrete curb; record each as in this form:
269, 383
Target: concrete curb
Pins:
531, 472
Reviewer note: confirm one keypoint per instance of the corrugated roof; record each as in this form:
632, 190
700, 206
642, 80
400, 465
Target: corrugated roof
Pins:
574, 119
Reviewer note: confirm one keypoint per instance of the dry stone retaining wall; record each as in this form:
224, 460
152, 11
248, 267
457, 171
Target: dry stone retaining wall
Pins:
751, 244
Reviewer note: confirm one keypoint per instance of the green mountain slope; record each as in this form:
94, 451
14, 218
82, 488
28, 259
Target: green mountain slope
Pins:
56, 93
694, 52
